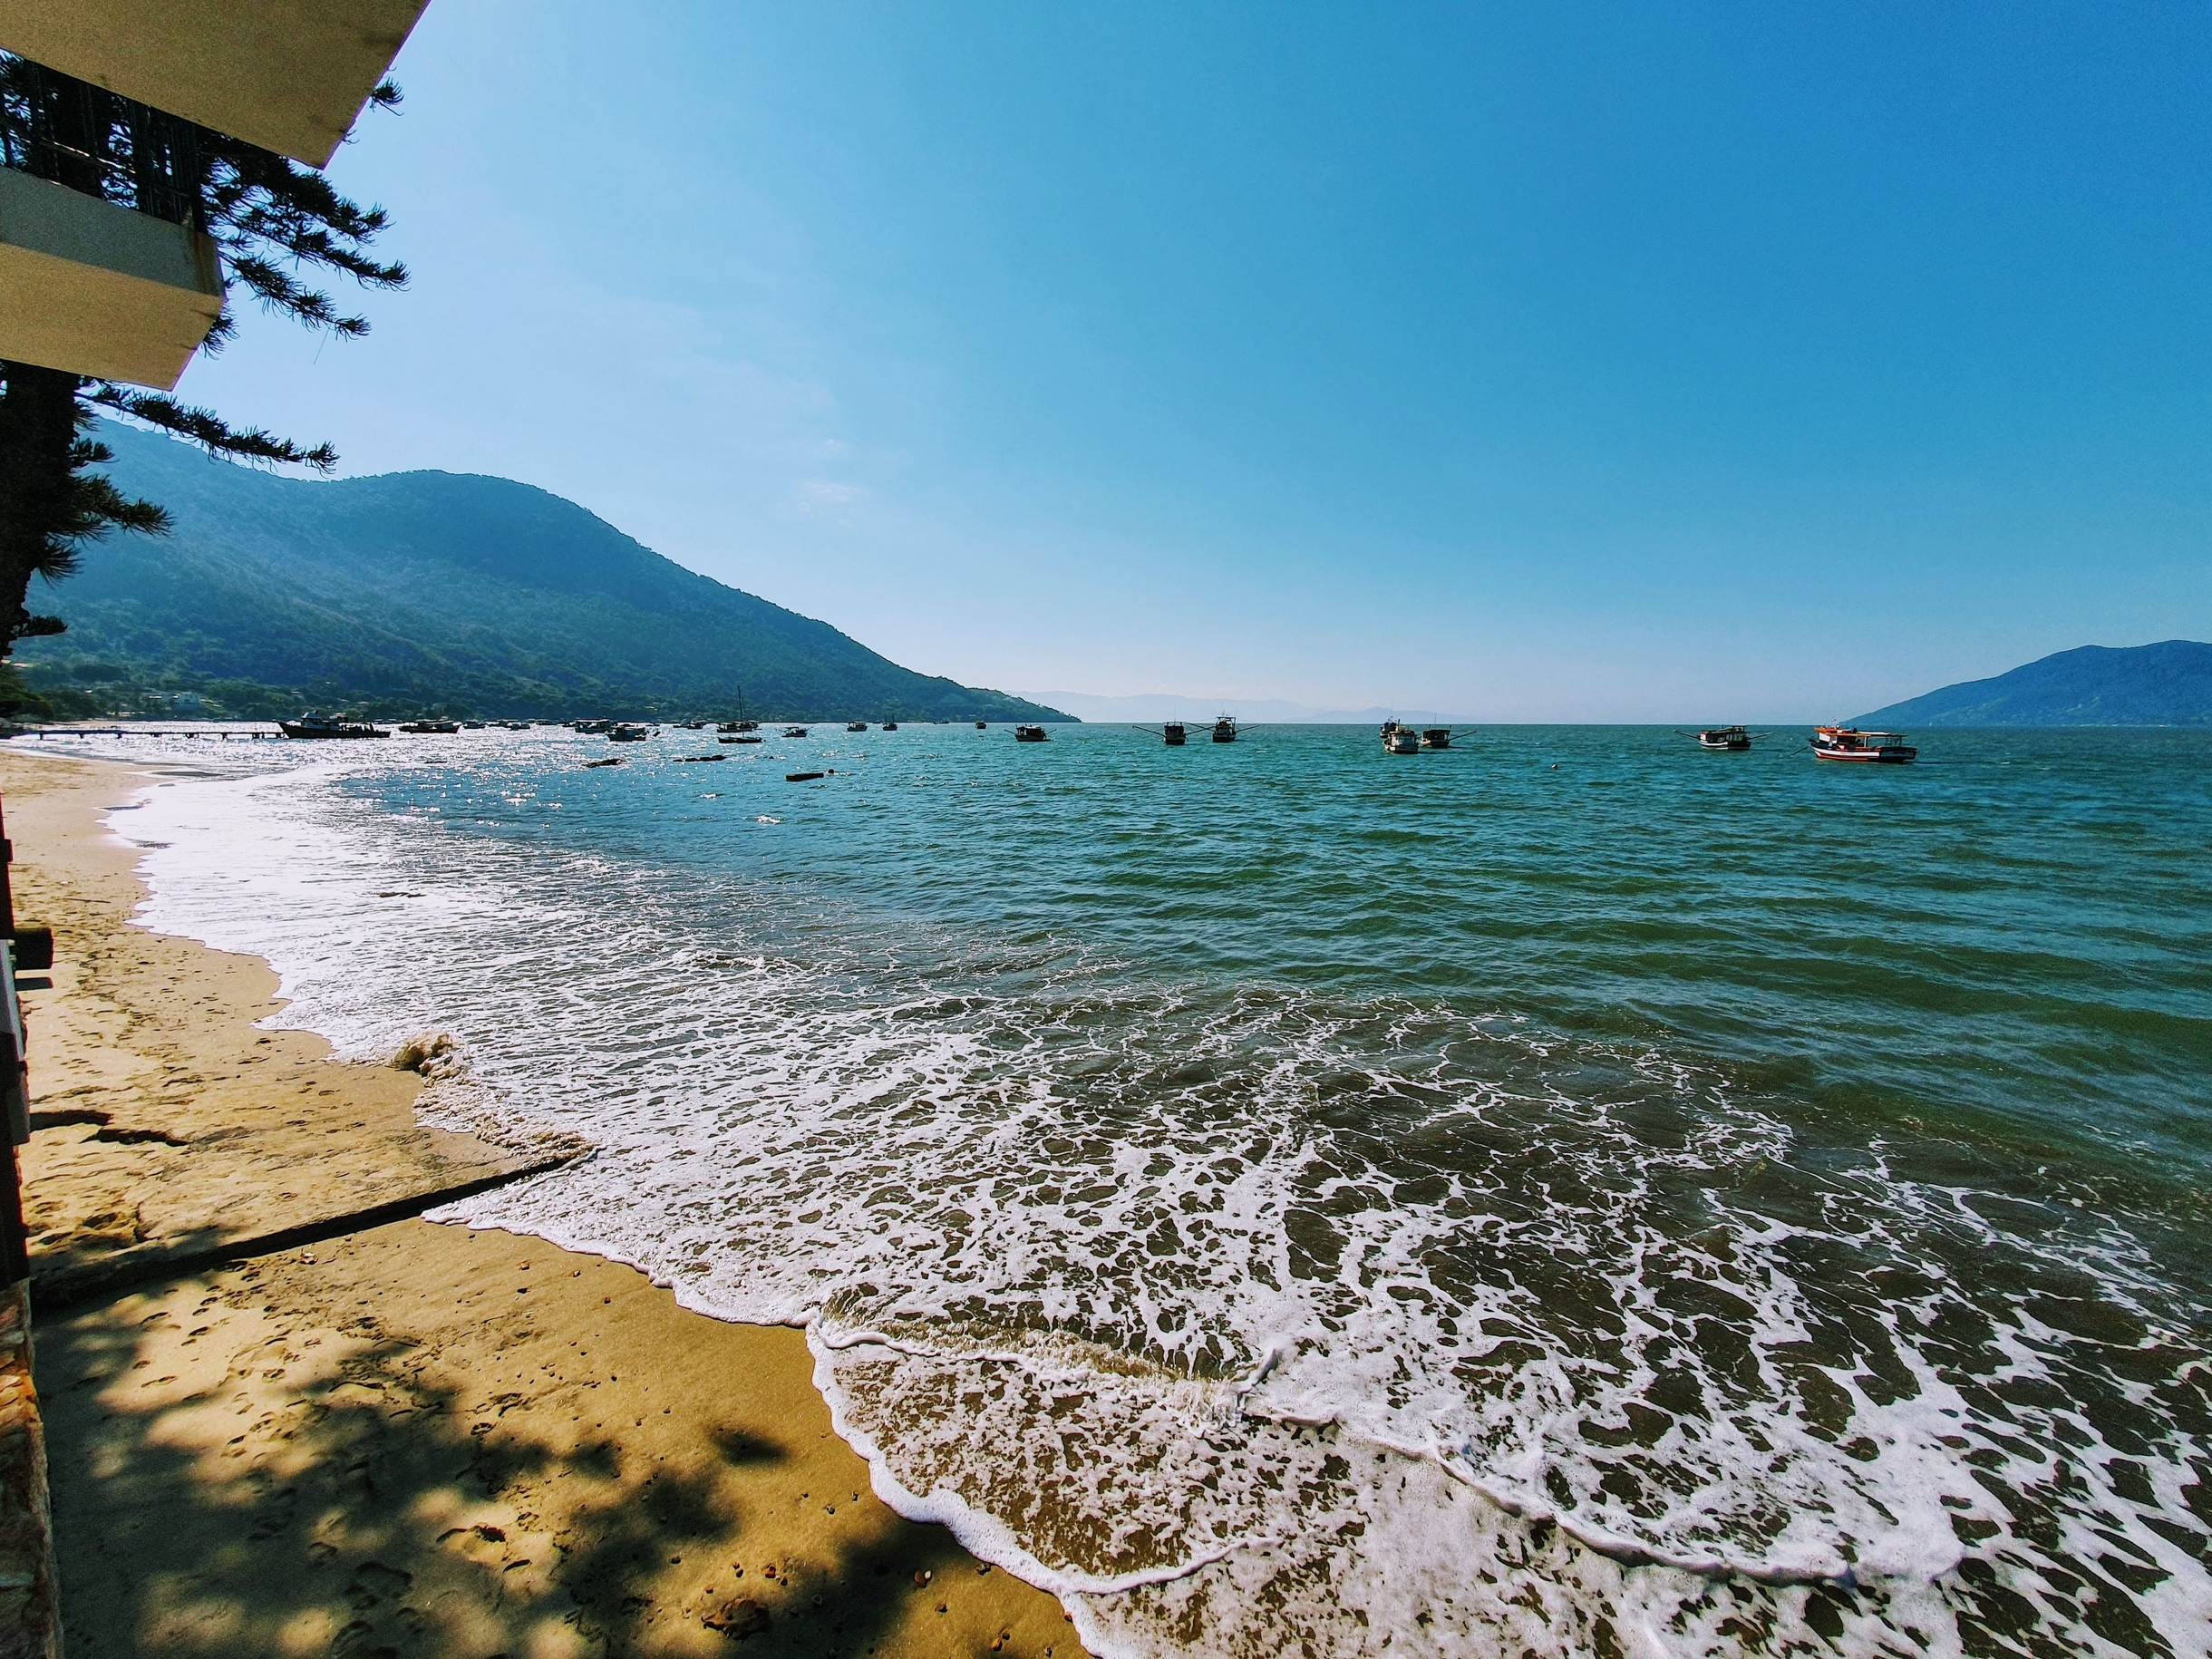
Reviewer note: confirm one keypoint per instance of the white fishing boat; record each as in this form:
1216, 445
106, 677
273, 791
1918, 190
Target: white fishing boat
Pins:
1849, 743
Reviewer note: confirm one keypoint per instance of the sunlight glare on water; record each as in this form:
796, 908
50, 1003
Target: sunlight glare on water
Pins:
1570, 1193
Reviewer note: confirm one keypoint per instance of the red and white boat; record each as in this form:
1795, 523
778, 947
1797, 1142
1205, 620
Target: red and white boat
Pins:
1849, 743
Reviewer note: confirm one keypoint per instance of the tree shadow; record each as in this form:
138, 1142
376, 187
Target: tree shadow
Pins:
256, 1499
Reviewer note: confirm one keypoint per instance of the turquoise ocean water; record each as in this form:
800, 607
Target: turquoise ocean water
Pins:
1572, 1193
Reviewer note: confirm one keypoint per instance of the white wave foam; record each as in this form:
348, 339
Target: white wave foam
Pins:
1242, 1320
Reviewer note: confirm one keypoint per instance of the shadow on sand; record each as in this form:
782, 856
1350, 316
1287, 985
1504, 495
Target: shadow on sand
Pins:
230, 1478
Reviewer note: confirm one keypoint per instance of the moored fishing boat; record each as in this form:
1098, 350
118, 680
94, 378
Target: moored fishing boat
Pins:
1436, 737
1850, 744
1398, 738
1029, 734
328, 725
1174, 734
1734, 740
437, 727
856, 725
1225, 729
628, 731
794, 731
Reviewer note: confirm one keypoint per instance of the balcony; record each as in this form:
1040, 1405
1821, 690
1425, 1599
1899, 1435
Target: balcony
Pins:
105, 267
99, 289
289, 75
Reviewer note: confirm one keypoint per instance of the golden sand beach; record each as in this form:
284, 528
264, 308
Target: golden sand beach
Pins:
410, 1440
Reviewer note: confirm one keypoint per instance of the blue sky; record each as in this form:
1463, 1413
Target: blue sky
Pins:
1662, 362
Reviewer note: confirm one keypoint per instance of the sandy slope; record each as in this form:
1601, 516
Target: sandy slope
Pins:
413, 1440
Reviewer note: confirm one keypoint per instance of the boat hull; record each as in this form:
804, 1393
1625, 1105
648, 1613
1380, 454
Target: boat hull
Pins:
292, 728
1867, 757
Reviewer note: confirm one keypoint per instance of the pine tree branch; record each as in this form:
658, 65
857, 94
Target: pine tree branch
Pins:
209, 431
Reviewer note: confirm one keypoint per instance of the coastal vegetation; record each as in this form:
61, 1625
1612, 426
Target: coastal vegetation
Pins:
268, 219
432, 592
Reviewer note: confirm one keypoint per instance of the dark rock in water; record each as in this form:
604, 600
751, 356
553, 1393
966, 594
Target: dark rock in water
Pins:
802, 777
2166, 684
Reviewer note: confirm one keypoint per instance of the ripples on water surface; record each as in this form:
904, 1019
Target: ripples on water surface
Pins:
1569, 1194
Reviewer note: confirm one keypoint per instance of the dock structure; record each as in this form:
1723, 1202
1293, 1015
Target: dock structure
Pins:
45, 731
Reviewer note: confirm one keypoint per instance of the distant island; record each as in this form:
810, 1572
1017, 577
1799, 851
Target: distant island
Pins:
2166, 684
438, 593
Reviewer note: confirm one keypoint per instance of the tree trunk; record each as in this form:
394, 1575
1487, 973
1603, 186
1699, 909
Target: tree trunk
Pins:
38, 424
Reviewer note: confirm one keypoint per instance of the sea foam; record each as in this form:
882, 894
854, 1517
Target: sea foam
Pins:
1246, 1316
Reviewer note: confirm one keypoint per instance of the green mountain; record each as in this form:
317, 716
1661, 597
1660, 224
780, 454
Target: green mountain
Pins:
436, 592
2165, 685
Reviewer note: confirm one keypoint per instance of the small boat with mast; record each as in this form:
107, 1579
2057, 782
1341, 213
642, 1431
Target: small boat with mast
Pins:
1400, 739
1174, 734
1225, 729
1029, 734
1850, 744
1436, 737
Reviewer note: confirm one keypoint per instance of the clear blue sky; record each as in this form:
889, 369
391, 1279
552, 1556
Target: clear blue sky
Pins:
1655, 362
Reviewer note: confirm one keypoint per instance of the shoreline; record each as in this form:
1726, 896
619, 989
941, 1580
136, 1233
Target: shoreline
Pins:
416, 1436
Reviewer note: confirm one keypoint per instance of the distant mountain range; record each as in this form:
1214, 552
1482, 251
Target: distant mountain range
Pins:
2166, 684
1166, 705
436, 592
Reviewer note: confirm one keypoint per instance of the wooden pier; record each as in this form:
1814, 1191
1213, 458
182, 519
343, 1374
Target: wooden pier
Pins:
45, 731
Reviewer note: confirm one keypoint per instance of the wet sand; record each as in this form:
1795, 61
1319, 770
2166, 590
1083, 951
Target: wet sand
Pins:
411, 1439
